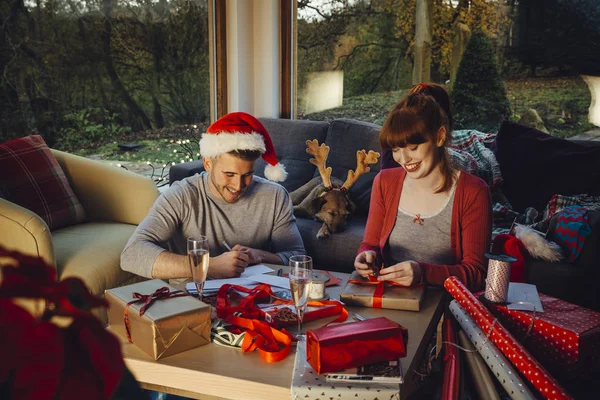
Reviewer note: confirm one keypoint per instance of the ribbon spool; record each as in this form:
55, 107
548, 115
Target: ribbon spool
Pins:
498, 277
317, 286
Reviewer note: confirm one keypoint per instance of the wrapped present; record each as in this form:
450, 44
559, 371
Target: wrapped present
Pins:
531, 369
565, 337
342, 346
307, 384
273, 344
158, 318
362, 292
452, 362
480, 373
493, 357
280, 315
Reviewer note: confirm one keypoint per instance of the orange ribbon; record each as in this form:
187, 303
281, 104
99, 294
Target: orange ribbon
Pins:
273, 344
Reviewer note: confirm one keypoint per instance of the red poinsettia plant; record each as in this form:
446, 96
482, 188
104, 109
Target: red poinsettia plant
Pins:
41, 360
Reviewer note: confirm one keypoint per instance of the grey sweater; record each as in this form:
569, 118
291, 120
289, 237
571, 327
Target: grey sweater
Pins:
262, 219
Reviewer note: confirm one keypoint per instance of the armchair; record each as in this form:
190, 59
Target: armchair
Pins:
115, 202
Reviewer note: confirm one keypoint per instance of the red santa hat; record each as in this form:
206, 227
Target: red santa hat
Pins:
241, 131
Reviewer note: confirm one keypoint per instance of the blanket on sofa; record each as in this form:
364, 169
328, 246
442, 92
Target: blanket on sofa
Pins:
504, 217
470, 151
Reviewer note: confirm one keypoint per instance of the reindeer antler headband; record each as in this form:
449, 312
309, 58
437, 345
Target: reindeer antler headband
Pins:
320, 154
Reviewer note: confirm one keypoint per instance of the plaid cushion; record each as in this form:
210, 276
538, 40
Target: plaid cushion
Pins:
33, 179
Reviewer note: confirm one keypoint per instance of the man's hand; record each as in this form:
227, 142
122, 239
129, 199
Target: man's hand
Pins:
364, 262
227, 265
254, 255
405, 273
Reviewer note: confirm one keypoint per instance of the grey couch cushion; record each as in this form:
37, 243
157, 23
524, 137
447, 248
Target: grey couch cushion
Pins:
337, 252
346, 137
289, 138
181, 171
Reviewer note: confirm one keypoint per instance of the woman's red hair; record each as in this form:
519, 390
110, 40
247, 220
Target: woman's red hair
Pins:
417, 119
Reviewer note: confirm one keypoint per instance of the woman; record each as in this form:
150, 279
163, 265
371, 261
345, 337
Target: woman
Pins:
427, 221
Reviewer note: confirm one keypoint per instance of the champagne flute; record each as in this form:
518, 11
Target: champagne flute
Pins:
198, 256
300, 279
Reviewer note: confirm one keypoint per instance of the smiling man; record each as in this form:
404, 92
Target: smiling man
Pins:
226, 203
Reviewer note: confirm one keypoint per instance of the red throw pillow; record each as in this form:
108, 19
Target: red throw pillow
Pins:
33, 179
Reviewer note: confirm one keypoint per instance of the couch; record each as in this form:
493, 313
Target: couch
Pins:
345, 137
115, 202
534, 167
532, 164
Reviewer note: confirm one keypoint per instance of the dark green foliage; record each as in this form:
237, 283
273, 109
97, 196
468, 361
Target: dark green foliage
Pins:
88, 128
359, 38
69, 68
561, 33
479, 95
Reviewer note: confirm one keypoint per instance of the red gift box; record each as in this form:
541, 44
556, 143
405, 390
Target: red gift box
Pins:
343, 346
565, 338
280, 315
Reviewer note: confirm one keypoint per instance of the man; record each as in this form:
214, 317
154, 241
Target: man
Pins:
226, 203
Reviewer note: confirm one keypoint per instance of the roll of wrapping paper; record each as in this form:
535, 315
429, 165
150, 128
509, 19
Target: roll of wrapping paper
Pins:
451, 382
521, 359
498, 277
500, 366
483, 381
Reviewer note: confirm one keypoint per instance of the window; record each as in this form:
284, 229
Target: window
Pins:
90, 73
357, 58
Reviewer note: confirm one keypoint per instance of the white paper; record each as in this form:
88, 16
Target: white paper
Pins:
255, 270
272, 280
308, 385
215, 284
523, 296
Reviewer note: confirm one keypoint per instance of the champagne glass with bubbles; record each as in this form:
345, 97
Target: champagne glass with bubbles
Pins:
300, 276
198, 255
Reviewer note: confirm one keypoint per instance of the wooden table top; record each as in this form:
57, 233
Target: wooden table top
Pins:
217, 372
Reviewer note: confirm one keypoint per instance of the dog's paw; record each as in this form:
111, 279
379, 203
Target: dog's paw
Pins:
323, 233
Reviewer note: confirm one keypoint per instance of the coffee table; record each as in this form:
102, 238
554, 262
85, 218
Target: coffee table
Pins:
216, 372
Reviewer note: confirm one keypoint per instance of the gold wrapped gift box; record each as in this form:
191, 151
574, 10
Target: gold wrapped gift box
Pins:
394, 297
169, 326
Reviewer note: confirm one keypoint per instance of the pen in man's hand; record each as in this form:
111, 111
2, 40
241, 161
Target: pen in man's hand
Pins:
228, 247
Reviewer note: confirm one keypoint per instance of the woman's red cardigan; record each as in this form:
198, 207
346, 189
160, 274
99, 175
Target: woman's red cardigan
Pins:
470, 231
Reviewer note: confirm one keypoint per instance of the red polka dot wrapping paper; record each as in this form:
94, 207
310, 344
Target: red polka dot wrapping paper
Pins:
531, 369
565, 338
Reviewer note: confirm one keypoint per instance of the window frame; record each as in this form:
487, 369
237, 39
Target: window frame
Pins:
217, 10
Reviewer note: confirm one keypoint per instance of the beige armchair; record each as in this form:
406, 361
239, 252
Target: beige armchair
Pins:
115, 202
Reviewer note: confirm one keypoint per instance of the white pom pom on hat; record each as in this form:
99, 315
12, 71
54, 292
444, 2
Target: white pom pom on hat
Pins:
242, 131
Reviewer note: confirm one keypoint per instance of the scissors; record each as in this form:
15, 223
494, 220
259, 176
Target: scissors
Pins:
374, 268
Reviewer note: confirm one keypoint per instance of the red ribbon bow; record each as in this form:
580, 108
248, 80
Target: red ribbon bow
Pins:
160, 294
379, 289
273, 344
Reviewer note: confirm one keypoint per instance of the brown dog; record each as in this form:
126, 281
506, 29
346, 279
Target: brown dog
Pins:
332, 208
327, 199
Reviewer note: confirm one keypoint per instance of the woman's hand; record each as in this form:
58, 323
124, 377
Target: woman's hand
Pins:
363, 263
405, 273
